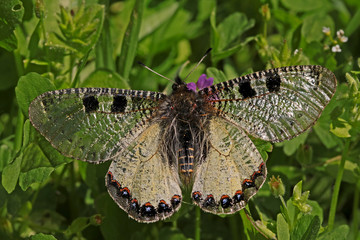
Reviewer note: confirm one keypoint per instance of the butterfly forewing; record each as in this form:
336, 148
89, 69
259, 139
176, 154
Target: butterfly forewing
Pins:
232, 172
142, 182
202, 136
275, 104
92, 124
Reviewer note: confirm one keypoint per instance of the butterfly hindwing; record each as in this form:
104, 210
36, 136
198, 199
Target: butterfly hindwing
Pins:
142, 182
274, 104
92, 124
232, 171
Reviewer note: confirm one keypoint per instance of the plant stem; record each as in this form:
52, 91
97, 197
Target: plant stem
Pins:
355, 216
335, 195
197, 223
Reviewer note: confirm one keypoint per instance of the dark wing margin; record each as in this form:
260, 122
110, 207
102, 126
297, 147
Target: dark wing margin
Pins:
275, 104
92, 124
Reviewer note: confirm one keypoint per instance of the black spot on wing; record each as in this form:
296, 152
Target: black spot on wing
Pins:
90, 103
273, 81
246, 90
119, 104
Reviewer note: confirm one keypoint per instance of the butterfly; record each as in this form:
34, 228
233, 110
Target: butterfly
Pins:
159, 143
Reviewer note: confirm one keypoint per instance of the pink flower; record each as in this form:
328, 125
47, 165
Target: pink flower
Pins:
202, 82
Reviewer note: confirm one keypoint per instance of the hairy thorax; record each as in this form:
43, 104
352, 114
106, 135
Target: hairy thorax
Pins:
184, 115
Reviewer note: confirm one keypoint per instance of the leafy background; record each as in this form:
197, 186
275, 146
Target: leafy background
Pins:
50, 44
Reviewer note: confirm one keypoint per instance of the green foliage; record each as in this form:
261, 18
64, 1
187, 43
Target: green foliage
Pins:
47, 45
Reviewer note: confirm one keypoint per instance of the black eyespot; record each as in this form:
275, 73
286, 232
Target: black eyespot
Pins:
209, 201
125, 193
248, 183
246, 90
90, 103
147, 210
239, 196
119, 104
196, 196
225, 201
273, 81
163, 207
175, 201
134, 205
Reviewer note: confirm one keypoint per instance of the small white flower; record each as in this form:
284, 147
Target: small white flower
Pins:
336, 48
326, 30
296, 51
343, 39
340, 33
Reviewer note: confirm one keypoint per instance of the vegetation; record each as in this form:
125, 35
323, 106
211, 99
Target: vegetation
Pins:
47, 45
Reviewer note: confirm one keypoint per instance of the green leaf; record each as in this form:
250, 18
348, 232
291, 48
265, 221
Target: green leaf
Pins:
305, 5
41, 236
29, 87
5, 156
312, 230
171, 234
78, 225
282, 228
290, 146
351, 171
8, 42
339, 233
129, 47
231, 28
313, 24
263, 147
354, 23
218, 75
307, 227
340, 128
11, 14
105, 78
11, 174
155, 17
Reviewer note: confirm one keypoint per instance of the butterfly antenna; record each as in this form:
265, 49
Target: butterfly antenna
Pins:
142, 64
202, 59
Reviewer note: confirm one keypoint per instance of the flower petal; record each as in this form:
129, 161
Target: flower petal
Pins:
203, 82
191, 86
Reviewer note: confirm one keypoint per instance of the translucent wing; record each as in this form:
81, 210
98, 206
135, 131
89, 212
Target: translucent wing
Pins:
275, 104
92, 124
232, 172
141, 180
